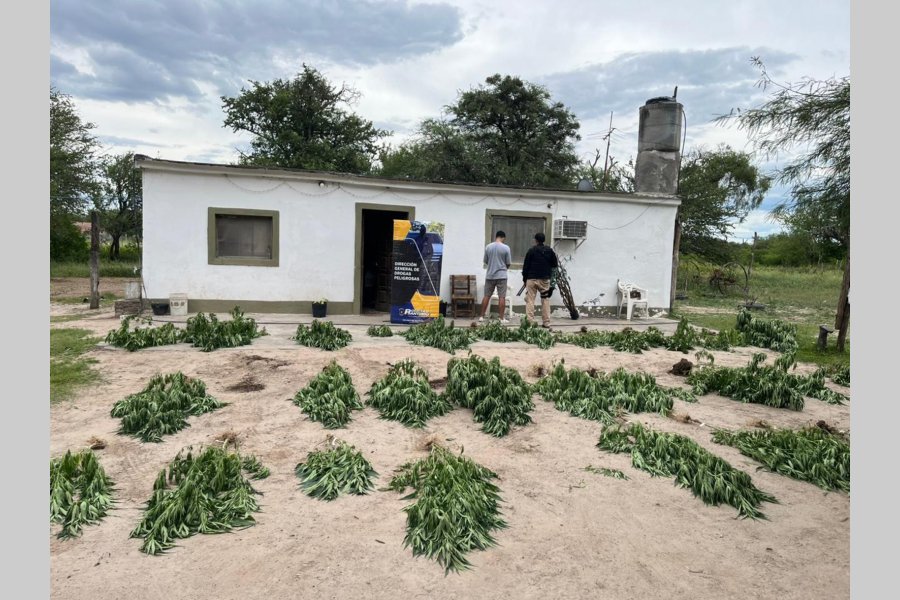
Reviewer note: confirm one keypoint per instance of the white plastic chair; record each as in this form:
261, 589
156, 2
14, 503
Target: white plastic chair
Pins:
495, 301
625, 293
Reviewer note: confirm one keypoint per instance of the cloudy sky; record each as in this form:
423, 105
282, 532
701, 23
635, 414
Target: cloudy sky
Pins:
150, 73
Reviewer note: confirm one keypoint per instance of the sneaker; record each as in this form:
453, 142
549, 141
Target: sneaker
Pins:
481, 319
504, 321
545, 326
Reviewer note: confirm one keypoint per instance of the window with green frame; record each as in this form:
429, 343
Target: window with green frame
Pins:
519, 227
243, 237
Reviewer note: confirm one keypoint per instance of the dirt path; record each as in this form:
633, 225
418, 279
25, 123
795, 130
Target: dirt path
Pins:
572, 534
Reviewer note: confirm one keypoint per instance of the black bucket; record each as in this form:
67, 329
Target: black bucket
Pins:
160, 308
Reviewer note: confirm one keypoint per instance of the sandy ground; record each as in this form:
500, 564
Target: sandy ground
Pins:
572, 534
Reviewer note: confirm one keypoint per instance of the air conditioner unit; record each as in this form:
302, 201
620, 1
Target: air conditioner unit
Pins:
565, 229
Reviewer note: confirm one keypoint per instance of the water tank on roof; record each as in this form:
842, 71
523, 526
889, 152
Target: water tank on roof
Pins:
660, 125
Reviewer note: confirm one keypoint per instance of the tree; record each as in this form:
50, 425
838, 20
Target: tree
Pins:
301, 123
121, 203
718, 189
73, 156
613, 177
507, 132
811, 120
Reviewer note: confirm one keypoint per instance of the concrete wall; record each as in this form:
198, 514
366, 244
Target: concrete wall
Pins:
629, 239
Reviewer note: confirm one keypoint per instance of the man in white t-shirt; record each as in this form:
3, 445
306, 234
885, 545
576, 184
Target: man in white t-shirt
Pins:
497, 258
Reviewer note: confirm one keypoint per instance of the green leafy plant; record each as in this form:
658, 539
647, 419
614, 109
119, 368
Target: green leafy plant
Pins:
811, 454
379, 331
614, 473
80, 492
341, 469
709, 477
254, 468
772, 385
163, 406
438, 334
405, 395
330, 397
455, 508
531, 333
498, 395
840, 374
139, 337
206, 493
603, 397
775, 334
208, 333
684, 339
322, 334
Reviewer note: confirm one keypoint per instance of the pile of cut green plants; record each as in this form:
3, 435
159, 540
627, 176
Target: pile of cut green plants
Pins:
497, 395
323, 335
684, 339
772, 385
603, 397
209, 333
840, 374
405, 395
438, 334
528, 331
708, 476
330, 397
455, 508
811, 454
773, 334
163, 406
80, 492
339, 469
379, 331
137, 337
207, 492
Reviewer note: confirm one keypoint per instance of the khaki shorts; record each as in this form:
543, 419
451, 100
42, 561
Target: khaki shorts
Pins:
491, 284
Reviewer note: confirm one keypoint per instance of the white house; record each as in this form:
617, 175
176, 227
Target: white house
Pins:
275, 240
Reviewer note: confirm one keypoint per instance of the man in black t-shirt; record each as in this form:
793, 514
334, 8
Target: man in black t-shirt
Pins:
536, 270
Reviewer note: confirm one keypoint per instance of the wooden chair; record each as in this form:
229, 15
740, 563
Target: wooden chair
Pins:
462, 295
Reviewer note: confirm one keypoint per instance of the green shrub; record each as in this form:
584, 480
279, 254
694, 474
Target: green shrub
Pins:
80, 492
330, 397
775, 334
810, 454
438, 334
208, 333
163, 407
762, 384
206, 493
709, 477
341, 469
498, 395
405, 395
379, 331
603, 397
456, 507
143, 337
323, 335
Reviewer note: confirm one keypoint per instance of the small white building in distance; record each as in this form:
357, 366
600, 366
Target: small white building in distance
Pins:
274, 240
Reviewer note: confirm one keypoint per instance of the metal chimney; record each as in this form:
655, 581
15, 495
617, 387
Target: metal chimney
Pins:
659, 146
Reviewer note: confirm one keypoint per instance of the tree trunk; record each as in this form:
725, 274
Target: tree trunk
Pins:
676, 247
842, 319
114, 247
95, 259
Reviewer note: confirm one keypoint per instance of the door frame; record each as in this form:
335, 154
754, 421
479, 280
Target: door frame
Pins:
358, 251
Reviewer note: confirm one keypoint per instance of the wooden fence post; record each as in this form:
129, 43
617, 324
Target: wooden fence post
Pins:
95, 259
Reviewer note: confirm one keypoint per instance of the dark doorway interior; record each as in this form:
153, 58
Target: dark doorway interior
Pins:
377, 259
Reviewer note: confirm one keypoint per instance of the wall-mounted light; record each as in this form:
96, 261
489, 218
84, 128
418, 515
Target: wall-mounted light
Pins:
321, 184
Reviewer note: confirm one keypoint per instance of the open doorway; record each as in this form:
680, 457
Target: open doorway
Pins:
376, 260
